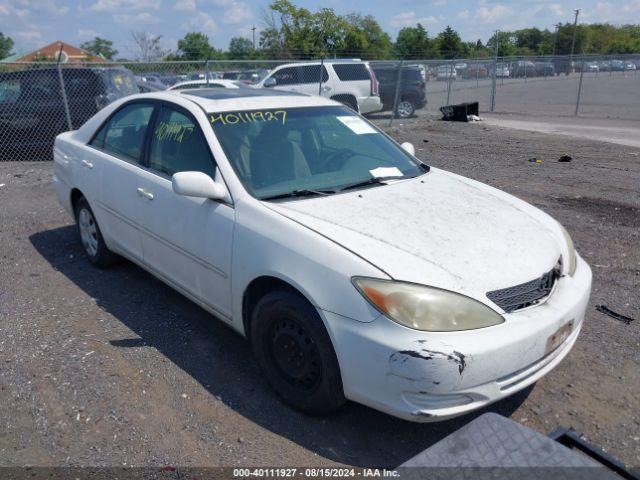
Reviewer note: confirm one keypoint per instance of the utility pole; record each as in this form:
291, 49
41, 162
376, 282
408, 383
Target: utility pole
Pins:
253, 31
495, 71
555, 37
573, 40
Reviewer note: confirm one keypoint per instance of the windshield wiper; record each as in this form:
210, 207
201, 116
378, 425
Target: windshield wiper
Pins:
370, 181
299, 193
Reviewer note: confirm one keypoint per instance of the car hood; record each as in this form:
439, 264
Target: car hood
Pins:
439, 229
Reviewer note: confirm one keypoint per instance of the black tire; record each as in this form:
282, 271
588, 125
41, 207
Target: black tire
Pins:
97, 252
405, 109
295, 353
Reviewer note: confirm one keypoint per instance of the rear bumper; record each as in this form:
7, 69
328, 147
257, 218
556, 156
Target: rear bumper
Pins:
369, 104
425, 376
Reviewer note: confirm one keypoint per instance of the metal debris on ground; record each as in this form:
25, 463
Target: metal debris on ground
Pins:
618, 316
565, 158
535, 160
460, 112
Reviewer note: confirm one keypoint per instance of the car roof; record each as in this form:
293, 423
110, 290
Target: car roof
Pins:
227, 99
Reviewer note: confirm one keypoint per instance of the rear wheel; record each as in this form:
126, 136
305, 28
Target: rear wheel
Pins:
405, 109
295, 353
91, 237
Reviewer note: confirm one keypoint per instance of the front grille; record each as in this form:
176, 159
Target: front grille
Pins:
525, 294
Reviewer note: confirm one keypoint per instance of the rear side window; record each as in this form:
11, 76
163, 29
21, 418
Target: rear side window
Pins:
351, 71
311, 74
178, 145
123, 135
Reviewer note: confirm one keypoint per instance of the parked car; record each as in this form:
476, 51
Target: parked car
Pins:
545, 69
591, 67
617, 65
356, 271
446, 72
412, 94
604, 66
523, 68
253, 76
351, 82
153, 82
203, 76
502, 70
475, 70
32, 110
191, 84
460, 67
146, 87
630, 66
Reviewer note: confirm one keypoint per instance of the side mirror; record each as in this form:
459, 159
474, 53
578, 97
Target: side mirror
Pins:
409, 148
269, 82
197, 184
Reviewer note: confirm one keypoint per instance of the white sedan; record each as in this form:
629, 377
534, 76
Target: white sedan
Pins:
356, 271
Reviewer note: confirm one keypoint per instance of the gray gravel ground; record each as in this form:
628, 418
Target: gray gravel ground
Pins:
111, 367
605, 95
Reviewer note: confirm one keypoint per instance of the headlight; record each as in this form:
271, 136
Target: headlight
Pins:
426, 308
572, 262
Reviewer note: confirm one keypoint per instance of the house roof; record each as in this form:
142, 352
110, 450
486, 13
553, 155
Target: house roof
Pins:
70, 53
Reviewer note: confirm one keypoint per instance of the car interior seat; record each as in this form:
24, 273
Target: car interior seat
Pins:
278, 159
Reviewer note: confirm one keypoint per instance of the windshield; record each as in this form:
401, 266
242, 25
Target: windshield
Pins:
280, 151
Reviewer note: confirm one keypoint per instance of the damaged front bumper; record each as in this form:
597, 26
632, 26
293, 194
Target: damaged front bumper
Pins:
431, 376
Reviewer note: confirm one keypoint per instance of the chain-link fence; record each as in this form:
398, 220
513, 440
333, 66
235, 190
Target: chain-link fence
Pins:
39, 100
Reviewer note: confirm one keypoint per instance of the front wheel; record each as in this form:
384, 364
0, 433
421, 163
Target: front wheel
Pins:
91, 237
295, 353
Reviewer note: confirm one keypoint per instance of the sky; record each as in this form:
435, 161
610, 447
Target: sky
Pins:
35, 23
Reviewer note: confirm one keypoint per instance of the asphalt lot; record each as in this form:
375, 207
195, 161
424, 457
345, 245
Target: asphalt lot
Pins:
610, 95
111, 367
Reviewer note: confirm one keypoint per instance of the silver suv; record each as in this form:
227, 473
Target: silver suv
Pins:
350, 82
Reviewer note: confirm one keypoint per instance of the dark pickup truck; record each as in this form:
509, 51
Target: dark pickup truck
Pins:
32, 110
412, 94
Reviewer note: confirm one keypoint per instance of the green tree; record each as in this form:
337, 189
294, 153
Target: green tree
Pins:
196, 46
100, 46
6, 45
240, 48
449, 44
413, 42
298, 32
376, 43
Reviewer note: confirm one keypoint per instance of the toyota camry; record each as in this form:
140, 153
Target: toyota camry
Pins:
355, 270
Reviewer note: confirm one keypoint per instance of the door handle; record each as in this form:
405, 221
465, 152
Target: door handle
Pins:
87, 164
143, 193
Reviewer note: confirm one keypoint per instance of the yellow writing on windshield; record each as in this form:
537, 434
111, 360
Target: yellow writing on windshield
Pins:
233, 118
172, 131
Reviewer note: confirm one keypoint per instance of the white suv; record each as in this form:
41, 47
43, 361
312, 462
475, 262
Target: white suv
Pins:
350, 82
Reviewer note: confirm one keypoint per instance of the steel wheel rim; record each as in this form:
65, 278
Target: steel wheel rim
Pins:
404, 109
295, 354
88, 232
